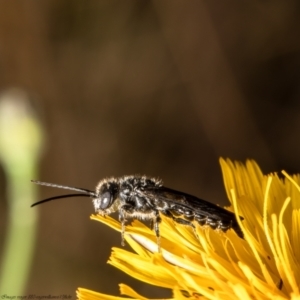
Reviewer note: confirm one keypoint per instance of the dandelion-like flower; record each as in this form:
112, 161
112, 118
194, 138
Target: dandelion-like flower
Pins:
215, 265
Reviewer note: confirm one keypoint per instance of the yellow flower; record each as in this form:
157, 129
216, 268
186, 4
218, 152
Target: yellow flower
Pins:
215, 265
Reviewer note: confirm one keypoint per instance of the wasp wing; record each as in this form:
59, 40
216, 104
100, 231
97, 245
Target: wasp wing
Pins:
197, 205
177, 200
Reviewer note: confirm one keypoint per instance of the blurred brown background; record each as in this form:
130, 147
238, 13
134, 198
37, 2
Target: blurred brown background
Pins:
162, 88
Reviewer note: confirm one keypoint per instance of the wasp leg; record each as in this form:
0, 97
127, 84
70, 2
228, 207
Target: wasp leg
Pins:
156, 221
181, 221
187, 223
168, 214
280, 284
123, 211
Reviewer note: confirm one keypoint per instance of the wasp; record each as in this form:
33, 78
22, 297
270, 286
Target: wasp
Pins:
145, 198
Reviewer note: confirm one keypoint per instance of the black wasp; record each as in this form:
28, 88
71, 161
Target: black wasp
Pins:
141, 197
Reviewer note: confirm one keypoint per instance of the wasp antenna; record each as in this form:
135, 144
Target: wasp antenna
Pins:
86, 191
60, 197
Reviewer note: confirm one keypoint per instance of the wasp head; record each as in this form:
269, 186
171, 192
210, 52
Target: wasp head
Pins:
106, 196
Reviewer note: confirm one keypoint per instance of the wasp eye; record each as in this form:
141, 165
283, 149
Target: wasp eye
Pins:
105, 200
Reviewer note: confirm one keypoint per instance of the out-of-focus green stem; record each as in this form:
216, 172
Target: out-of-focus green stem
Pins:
20, 148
